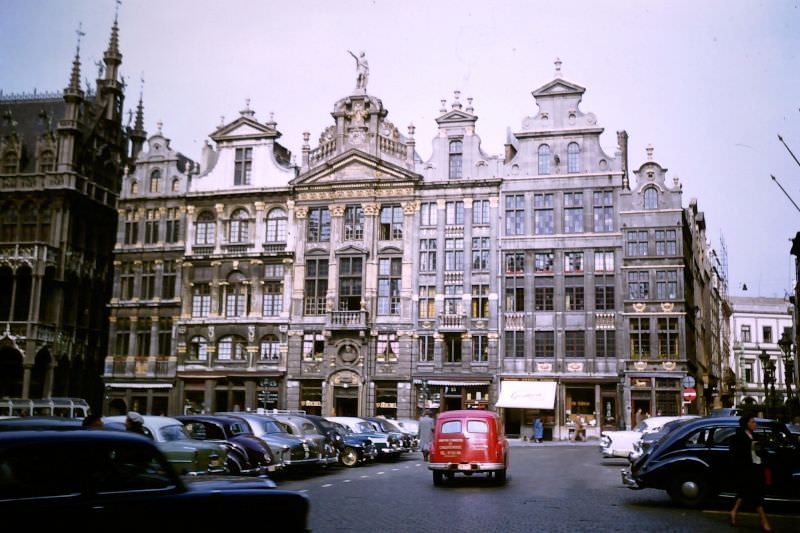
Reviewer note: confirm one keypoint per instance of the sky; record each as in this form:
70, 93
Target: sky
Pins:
709, 84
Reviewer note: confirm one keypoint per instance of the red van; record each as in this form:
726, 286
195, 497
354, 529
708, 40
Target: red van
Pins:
468, 442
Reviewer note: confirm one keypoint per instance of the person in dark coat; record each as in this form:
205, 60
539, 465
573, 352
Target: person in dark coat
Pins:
538, 430
749, 473
425, 429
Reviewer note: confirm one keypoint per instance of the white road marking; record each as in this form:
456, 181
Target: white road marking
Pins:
346, 481
381, 473
326, 485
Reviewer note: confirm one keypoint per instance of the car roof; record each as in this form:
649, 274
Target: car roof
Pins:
466, 413
149, 420
210, 418
12, 438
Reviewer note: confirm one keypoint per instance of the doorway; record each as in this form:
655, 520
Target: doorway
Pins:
640, 410
345, 401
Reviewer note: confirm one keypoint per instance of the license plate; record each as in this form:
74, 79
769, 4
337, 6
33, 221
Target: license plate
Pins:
465, 467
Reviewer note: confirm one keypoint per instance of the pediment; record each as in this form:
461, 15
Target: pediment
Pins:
316, 252
352, 250
390, 250
354, 166
243, 128
558, 87
456, 116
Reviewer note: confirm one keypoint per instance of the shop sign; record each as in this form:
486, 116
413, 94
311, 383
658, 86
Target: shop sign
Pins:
311, 403
386, 405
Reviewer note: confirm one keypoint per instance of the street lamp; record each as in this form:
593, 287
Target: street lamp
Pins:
785, 345
767, 367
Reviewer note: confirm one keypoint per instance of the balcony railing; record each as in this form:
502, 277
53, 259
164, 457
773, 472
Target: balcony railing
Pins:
203, 250
515, 321
448, 321
274, 248
346, 320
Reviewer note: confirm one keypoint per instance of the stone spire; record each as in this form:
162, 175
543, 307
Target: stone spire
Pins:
75, 76
137, 134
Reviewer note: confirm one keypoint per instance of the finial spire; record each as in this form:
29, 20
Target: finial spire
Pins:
557, 63
456, 102
75, 76
649, 152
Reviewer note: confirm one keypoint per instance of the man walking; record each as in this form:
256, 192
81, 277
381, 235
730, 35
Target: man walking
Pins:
425, 433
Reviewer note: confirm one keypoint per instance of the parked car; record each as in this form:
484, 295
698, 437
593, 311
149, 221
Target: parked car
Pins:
302, 427
649, 439
694, 464
726, 411
187, 455
468, 442
18, 423
291, 450
247, 454
385, 425
357, 448
410, 427
620, 443
85, 480
388, 445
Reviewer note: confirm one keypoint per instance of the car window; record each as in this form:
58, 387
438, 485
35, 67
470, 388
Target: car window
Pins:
125, 468
41, 470
196, 430
364, 427
390, 426
308, 427
272, 427
697, 438
723, 436
173, 432
452, 426
477, 426
773, 437
237, 429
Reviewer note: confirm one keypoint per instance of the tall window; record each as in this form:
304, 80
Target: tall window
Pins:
766, 334
231, 348
47, 161
543, 217
480, 212
313, 346
236, 295
389, 274
640, 338
387, 347
451, 346
319, 224
514, 344
480, 301
176, 185
201, 300
173, 225
746, 336
453, 303
480, 348
573, 157
143, 336
391, 222
168, 277
668, 338
456, 158
151, 226
515, 214
353, 223
9, 221
543, 262
666, 284
350, 272
573, 212
427, 255
604, 261
272, 302
651, 198
427, 301
269, 349
666, 242
639, 284
603, 202
604, 293
605, 345
126, 281
573, 262
544, 344
454, 254
636, 243
206, 229
44, 223
544, 159
454, 213
316, 286
10, 163
480, 254
155, 181
242, 166
573, 295
29, 220
515, 282
147, 288
198, 349
239, 227
276, 225
426, 348
574, 343
164, 336
427, 213
122, 341
543, 297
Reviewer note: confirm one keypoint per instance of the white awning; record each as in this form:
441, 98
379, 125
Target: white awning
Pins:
140, 385
527, 394
454, 383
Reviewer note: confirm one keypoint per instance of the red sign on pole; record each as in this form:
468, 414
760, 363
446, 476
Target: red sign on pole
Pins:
689, 395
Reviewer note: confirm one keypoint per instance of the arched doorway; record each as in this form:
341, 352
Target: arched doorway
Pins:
346, 387
41, 367
11, 373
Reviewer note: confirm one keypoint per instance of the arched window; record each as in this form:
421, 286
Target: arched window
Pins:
650, 198
134, 188
270, 348
198, 349
276, 225
231, 348
573, 157
176, 185
456, 159
236, 295
206, 228
47, 161
239, 226
10, 163
544, 159
155, 181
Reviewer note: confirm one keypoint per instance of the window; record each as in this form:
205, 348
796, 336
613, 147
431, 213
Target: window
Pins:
668, 338
350, 272
514, 294
573, 262
480, 348
126, 281
29, 220
122, 340
176, 185
276, 225
604, 261
270, 349
456, 156
427, 255
143, 335
426, 347
453, 304
147, 288
603, 202
640, 338
427, 214
44, 223
766, 334
639, 285
388, 347
746, 337
47, 161
173, 225
155, 181
353, 223
666, 242
151, 226
514, 344
543, 262
427, 301
242, 166
231, 348
666, 284
10, 163
480, 212
391, 223
454, 213
543, 298
454, 255
198, 349
544, 344
319, 224
313, 346
637, 243
9, 219
543, 217
134, 188
573, 297
389, 274
164, 336
236, 295
574, 343
239, 230
650, 198
201, 300
480, 301
480, 254
573, 157
544, 159
515, 214
573, 212
272, 304
451, 347
604, 293
605, 345
131, 227
515, 263
748, 372
316, 286
168, 277
206, 229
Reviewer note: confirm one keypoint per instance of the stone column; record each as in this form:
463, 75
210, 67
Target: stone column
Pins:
407, 273
220, 234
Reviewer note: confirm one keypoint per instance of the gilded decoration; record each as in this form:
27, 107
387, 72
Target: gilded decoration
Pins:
640, 365
669, 365
300, 212
639, 307
667, 307
544, 367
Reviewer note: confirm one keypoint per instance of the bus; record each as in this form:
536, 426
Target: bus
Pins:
63, 407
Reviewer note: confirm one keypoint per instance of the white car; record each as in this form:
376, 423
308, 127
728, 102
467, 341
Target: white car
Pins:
620, 443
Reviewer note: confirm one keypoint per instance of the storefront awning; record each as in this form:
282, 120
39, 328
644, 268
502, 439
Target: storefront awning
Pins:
527, 394
140, 385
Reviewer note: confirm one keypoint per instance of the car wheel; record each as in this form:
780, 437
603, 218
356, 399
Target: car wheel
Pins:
500, 477
438, 478
689, 489
349, 457
232, 466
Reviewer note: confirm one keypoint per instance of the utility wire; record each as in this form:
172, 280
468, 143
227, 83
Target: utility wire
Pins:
790, 151
784, 192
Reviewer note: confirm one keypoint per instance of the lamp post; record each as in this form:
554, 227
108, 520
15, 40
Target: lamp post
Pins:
786, 346
767, 370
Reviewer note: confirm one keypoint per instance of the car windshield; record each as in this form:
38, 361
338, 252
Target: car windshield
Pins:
364, 427
390, 426
268, 426
172, 433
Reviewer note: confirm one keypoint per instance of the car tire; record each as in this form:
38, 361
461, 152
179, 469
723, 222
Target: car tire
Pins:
689, 489
233, 466
349, 456
500, 477
438, 478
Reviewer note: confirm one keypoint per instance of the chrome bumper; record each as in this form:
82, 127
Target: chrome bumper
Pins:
466, 467
628, 480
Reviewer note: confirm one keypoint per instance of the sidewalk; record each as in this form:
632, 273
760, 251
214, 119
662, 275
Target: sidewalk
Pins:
522, 443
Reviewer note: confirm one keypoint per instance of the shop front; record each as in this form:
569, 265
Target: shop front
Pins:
522, 401
445, 395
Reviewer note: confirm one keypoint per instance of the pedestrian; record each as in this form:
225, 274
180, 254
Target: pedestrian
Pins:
92, 421
749, 472
538, 430
638, 416
425, 433
134, 422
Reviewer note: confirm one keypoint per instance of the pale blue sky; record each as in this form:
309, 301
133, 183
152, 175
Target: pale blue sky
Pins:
710, 84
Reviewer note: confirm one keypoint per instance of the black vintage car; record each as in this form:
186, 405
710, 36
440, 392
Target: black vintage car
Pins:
693, 463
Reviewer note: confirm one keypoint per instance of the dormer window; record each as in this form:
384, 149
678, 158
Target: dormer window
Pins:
544, 159
242, 166
155, 181
650, 198
456, 159
573, 157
